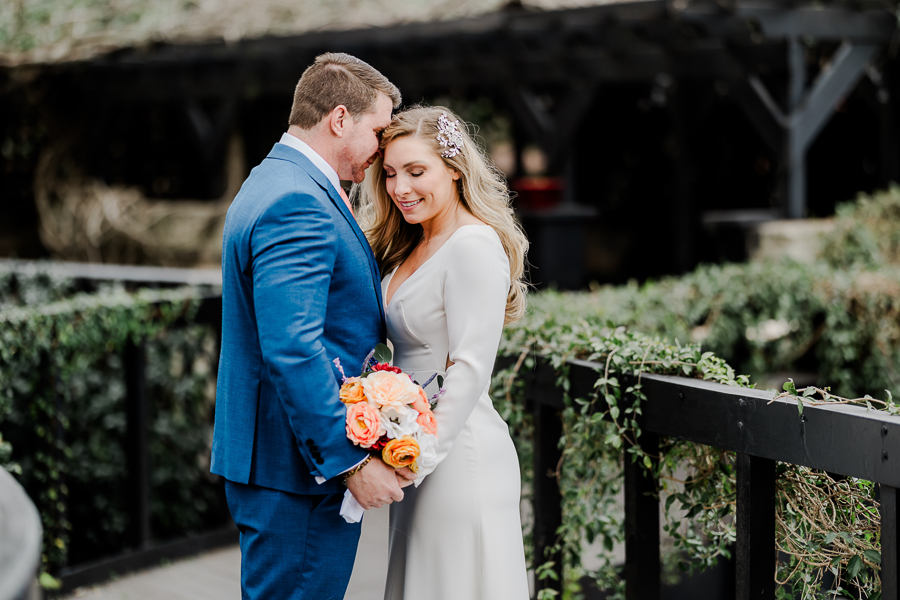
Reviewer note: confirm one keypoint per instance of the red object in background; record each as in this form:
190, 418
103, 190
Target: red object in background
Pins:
535, 193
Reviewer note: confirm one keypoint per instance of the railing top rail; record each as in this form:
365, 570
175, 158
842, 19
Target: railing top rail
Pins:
104, 272
844, 439
20, 538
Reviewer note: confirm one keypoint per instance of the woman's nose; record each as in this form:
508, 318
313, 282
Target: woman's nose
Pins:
402, 187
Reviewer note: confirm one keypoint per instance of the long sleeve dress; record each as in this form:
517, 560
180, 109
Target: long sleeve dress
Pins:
457, 535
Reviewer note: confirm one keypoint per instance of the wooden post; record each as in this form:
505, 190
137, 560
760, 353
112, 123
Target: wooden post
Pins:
890, 560
642, 568
546, 499
136, 446
755, 515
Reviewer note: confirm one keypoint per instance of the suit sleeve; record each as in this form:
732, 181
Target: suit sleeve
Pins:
475, 287
294, 246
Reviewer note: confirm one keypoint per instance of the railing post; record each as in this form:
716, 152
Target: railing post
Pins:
755, 515
642, 566
890, 560
136, 447
546, 499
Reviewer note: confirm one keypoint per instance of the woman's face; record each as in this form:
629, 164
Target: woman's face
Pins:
421, 185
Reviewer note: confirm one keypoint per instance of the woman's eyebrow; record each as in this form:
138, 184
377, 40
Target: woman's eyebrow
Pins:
412, 163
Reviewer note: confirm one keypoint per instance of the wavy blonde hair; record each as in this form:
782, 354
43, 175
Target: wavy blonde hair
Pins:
482, 191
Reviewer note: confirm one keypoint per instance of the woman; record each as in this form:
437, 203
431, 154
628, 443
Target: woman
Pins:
438, 218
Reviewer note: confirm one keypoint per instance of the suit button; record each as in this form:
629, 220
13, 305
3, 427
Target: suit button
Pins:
319, 460
309, 442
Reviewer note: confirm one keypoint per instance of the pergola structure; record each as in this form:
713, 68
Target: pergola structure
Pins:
787, 65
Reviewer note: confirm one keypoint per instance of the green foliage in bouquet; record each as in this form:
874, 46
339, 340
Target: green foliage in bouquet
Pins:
837, 318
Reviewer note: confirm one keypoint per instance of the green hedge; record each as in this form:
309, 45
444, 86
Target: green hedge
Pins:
62, 410
837, 317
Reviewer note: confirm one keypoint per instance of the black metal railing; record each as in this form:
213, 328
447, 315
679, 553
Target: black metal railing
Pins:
20, 542
841, 439
142, 550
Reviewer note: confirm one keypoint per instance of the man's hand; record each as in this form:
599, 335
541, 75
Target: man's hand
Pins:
405, 476
375, 485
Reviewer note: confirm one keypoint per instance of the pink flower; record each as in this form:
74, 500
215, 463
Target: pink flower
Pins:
363, 424
428, 422
421, 403
385, 388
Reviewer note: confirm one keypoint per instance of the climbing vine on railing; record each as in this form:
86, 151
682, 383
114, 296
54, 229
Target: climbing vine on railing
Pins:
59, 362
697, 482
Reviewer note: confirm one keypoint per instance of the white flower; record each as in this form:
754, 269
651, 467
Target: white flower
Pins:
427, 452
399, 421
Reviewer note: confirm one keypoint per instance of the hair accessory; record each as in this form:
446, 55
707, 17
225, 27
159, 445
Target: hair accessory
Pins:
449, 136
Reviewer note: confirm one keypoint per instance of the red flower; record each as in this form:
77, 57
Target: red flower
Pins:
386, 367
380, 444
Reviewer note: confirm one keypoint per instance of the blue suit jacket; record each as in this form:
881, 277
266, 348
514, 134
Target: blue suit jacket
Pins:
300, 287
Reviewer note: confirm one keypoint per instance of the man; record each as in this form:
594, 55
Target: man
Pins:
300, 287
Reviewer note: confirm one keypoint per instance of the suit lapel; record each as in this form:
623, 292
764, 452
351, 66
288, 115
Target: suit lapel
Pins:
296, 157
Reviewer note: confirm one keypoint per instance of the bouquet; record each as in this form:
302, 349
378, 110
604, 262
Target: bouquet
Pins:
389, 414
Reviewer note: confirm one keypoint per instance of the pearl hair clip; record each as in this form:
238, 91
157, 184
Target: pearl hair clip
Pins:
449, 136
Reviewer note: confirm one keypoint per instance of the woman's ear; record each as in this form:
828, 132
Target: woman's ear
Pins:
455, 174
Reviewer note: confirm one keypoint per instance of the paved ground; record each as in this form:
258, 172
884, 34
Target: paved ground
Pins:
217, 575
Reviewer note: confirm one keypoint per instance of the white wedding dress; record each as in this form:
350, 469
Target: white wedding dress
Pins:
457, 535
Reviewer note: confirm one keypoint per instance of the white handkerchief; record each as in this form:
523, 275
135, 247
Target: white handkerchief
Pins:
351, 510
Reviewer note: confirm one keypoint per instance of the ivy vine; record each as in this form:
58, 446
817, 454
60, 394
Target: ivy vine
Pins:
62, 407
835, 319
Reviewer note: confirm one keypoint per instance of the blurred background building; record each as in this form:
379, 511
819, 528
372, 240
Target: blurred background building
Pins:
642, 137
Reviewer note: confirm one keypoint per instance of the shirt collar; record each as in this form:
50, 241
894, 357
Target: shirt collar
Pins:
314, 157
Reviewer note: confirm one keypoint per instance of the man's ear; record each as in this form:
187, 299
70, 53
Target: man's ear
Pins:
337, 120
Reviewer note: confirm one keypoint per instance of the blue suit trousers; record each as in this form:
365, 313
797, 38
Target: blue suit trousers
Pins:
293, 547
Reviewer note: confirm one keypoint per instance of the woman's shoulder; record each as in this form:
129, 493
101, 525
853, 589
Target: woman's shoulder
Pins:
475, 245
474, 237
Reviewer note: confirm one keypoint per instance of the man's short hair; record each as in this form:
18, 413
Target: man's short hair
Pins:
336, 78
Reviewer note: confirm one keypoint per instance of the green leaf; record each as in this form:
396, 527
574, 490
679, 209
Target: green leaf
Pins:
789, 387
799, 405
383, 354
49, 582
854, 566
829, 537
440, 381
809, 391
873, 556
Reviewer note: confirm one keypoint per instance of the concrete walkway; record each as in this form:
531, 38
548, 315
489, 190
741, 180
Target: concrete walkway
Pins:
217, 575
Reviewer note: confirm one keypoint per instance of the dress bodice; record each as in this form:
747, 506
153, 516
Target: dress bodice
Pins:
452, 307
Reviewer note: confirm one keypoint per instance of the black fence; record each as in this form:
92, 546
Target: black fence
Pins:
842, 439
20, 542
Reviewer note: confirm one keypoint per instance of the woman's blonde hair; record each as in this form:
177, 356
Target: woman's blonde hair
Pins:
482, 191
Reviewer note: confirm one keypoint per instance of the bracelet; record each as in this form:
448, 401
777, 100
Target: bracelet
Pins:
355, 470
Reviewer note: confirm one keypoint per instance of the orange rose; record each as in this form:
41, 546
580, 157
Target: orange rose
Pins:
428, 422
363, 424
421, 404
401, 452
352, 391
390, 389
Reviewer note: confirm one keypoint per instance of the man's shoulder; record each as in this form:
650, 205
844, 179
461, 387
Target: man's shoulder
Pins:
272, 182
